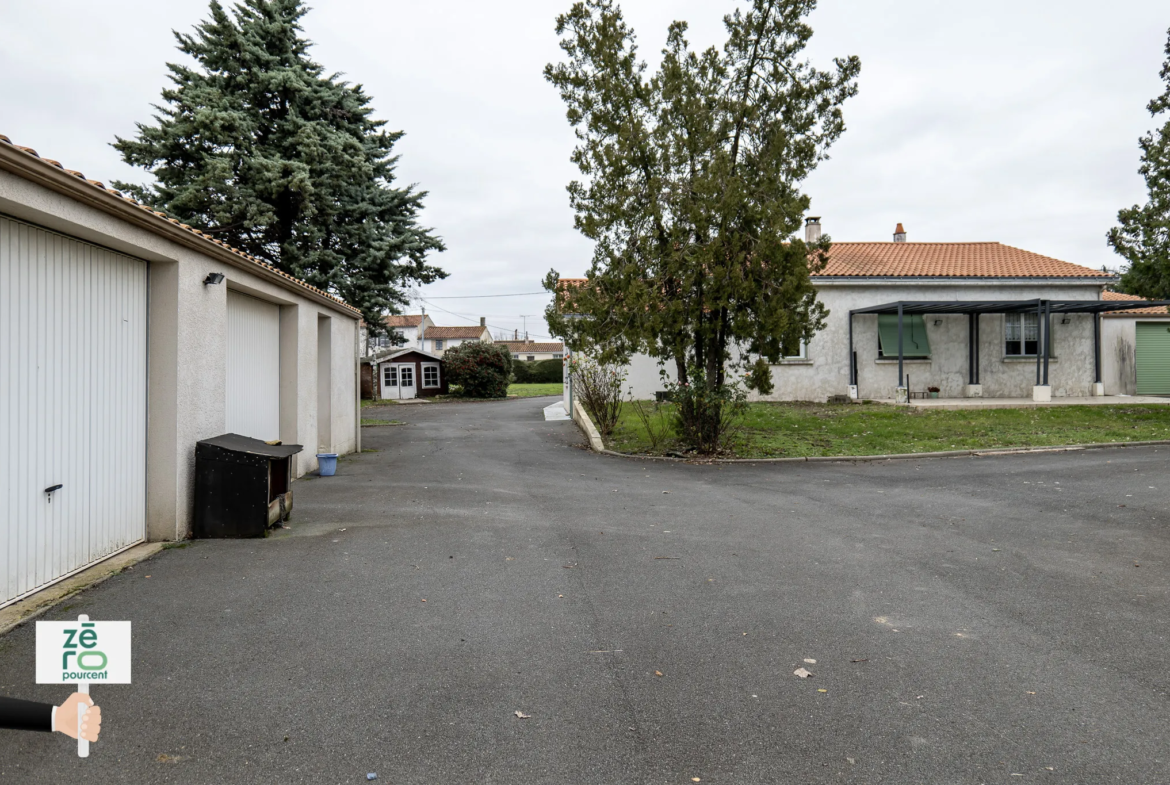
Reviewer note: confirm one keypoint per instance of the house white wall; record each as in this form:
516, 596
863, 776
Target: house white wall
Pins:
449, 343
825, 370
409, 336
1118, 366
187, 375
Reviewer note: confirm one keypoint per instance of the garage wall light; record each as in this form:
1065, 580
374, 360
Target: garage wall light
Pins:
212, 279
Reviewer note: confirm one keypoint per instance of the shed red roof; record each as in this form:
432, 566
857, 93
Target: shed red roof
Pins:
1155, 311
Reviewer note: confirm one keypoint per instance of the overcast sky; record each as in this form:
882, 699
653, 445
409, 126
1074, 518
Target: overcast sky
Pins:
1010, 121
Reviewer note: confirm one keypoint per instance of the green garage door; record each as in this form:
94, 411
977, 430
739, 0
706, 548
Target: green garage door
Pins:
1153, 358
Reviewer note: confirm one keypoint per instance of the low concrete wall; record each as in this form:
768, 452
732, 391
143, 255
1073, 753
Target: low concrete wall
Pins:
586, 425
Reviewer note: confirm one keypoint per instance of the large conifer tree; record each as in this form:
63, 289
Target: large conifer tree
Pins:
691, 192
1143, 237
256, 145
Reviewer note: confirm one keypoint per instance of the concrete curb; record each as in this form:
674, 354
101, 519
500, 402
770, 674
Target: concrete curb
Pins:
896, 456
47, 598
585, 424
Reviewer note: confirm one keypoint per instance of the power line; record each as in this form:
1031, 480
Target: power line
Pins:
473, 319
481, 296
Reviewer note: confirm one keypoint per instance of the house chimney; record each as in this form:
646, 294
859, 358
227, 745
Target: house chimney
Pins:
483, 321
812, 229
899, 234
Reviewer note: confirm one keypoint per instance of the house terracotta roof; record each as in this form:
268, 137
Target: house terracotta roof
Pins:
475, 331
1155, 311
947, 260
404, 320
938, 260
519, 347
162, 217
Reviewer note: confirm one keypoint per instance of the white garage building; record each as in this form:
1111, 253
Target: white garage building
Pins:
125, 338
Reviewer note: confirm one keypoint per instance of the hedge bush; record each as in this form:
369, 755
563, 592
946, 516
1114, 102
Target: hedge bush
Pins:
539, 372
483, 370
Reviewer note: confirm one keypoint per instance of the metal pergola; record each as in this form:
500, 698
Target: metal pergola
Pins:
976, 308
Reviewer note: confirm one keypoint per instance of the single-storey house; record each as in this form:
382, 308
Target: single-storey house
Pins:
127, 334
1136, 348
974, 319
439, 339
411, 373
531, 351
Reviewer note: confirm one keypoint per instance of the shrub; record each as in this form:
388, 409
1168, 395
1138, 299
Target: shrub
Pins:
759, 377
654, 417
483, 370
705, 416
599, 388
539, 372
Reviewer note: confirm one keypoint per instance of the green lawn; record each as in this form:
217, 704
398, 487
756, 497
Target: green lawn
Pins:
372, 421
781, 430
535, 390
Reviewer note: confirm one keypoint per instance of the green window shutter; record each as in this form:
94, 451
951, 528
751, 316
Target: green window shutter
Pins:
1152, 356
914, 340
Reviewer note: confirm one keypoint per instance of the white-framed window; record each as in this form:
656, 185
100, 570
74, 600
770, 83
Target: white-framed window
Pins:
438, 343
430, 375
531, 358
1021, 334
558, 356
389, 376
802, 354
515, 356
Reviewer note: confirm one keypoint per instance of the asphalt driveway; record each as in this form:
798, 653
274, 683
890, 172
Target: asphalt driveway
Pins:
970, 620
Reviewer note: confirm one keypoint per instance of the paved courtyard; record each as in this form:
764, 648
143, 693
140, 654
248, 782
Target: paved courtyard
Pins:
970, 620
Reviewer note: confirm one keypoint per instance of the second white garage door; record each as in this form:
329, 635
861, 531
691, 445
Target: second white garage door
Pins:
253, 367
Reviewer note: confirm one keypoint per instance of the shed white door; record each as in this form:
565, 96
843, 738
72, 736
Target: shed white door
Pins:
406, 381
389, 381
72, 405
253, 367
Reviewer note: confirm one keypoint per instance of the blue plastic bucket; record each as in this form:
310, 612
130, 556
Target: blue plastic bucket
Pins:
327, 463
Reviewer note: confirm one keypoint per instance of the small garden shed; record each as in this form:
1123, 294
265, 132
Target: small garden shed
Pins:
411, 373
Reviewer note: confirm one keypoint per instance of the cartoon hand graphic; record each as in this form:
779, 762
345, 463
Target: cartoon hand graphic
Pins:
65, 718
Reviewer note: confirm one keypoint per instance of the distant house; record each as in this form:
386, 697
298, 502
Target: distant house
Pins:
405, 325
531, 351
411, 373
438, 339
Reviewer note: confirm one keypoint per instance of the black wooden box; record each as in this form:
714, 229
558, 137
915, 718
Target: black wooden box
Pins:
242, 486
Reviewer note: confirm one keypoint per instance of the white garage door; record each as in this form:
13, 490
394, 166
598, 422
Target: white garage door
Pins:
253, 367
72, 405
